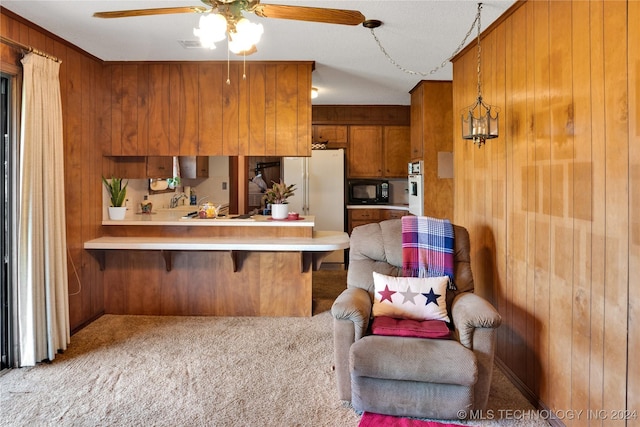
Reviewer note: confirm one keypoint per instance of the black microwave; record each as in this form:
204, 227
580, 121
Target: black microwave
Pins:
368, 191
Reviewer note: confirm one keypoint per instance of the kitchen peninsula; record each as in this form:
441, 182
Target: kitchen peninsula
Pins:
167, 265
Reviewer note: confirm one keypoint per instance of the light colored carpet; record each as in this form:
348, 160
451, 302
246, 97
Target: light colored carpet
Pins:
195, 371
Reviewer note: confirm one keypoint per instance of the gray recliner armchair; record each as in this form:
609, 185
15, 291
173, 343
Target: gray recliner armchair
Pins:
418, 377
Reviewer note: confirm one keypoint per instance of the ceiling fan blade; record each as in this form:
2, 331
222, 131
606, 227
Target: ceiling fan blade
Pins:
313, 14
147, 12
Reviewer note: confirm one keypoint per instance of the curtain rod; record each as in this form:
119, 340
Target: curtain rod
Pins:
19, 45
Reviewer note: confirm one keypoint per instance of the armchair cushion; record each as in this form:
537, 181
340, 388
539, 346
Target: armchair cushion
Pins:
384, 325
417, 298
411, 359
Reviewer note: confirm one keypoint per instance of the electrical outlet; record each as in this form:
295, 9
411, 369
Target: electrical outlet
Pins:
224, 185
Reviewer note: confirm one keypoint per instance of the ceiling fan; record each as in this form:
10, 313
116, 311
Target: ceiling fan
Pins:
232, 10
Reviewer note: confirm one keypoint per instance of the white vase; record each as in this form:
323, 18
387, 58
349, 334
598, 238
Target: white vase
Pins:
280, 211
117, 213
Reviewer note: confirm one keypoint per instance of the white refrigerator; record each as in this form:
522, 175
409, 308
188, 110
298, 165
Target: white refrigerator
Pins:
319, 181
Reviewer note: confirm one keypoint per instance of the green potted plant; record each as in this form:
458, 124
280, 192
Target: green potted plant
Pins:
117, 195
277, 196
173, 182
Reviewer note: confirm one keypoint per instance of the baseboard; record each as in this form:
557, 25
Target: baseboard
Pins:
527, 393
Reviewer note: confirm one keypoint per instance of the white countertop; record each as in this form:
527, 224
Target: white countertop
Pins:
168, 218
396, 207
320, 242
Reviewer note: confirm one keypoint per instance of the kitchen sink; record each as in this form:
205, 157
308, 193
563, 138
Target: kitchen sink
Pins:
185, 209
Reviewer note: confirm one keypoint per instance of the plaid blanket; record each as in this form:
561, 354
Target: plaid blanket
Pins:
427, 247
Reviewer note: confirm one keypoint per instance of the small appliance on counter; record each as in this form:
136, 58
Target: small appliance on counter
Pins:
416, 188
368, 192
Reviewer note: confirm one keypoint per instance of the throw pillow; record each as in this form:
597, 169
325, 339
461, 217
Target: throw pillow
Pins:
384, 325
417, 298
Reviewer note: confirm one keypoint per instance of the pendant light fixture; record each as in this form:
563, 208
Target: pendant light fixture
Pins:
479, 122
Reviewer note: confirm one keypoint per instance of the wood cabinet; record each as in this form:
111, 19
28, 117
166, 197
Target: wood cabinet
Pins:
137, 167
188, 109
364, 154
336, 136
431, 133
431, 119
392, 214
194, 166
396, 151
132, 167
159, 167
378, 151
357, 217
202, 167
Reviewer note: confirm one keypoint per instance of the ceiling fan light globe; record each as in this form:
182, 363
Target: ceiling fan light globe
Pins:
214, 22
248, 32
238, 46
212, 29
218, 23
207, 43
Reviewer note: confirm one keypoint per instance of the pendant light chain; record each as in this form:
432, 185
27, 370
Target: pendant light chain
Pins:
444, 63
479, 51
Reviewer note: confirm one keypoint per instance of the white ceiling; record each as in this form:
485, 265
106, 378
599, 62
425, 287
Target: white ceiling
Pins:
350, 67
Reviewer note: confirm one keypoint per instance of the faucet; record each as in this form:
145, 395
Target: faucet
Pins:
176, 199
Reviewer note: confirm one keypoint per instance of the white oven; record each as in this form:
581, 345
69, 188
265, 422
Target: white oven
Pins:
416, 190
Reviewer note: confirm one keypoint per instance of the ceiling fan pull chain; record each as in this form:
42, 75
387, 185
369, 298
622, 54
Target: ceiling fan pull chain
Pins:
244, 65
228, 79
444, 63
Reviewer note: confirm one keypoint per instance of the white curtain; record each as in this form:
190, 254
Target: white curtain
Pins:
42, 288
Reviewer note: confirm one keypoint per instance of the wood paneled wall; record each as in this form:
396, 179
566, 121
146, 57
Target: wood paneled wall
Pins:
80, 76
552, 204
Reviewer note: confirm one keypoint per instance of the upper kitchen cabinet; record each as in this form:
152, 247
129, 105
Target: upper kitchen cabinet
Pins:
378, 151
364, 155
160, 167
194, 167
334, 136
275, 109
127, 121
431, 120
396, 153
188, 109
432, 141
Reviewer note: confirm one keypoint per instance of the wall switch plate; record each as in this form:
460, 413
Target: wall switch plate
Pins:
224, 185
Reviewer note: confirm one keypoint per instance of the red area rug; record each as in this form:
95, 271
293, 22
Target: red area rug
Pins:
377, 420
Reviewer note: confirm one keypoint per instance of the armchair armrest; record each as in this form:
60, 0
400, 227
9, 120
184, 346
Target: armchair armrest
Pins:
470, 312
353, 304
351, 311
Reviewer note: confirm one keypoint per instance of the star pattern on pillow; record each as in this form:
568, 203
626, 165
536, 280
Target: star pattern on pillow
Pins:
413, 299
409, 295
386, 294
432, 297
